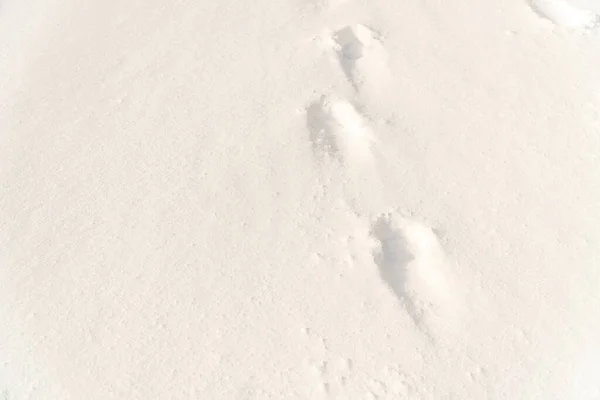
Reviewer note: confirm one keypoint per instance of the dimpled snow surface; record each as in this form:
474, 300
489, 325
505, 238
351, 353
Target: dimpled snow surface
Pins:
299, 199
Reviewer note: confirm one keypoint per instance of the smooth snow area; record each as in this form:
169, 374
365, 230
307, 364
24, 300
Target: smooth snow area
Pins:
299, 199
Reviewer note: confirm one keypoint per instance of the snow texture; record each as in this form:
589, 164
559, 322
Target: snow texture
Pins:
299, 199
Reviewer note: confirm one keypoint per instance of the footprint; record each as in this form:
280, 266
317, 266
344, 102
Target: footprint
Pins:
413, 264
363, 59
338, 130
564, 14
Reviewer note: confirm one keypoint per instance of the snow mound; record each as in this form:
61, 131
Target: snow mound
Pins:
563, 13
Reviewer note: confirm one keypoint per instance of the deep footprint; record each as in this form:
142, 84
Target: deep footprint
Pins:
338, 130
362, 57
413, 264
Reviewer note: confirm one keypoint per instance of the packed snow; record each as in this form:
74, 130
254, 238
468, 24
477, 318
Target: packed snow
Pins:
299, 199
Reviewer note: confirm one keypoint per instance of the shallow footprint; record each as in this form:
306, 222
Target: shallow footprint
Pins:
337, 129
413, 264
564, 14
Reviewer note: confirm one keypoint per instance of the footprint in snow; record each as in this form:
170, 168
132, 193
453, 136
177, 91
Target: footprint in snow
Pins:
564, 14
363, 59
337, 129
414, 266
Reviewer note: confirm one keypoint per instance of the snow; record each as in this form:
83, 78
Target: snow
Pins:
303, 199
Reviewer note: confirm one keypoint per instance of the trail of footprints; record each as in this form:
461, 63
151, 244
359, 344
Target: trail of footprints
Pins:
337, 128
406, 252
410, 260
408, 255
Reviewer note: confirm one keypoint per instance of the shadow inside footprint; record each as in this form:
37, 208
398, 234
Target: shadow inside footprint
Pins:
350, 50
393, 259
321, 136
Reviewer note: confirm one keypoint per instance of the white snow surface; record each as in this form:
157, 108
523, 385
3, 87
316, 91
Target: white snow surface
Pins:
299, 199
